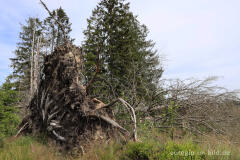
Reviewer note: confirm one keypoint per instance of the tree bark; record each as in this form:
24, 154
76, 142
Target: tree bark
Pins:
32, 60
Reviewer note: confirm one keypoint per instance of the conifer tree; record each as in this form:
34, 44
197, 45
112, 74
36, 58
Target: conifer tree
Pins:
21, 64
8, 117
49, 34
53, 33
129, 65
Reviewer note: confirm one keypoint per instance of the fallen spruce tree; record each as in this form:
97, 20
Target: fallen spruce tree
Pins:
61, 108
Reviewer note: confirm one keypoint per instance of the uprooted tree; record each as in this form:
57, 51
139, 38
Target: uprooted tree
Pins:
61, 108
197, 106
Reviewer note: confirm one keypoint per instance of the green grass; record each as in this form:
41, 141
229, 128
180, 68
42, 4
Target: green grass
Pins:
153, 145
155, 150
27, 148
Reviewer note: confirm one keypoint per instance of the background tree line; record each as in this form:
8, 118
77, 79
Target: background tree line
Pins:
115, 43
120, 61
37, 38
117, 54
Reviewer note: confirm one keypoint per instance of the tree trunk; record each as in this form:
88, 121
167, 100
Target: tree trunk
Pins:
32, 61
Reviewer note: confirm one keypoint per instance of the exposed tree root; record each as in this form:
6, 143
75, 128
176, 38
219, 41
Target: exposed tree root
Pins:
62, 109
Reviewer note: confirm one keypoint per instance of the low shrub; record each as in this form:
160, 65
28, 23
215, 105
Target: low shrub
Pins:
140, 150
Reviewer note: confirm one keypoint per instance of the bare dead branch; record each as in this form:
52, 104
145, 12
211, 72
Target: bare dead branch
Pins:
58, 136
199, 104
21, 129
131, 112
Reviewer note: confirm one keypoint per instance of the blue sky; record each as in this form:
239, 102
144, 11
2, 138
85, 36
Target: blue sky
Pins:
196, 38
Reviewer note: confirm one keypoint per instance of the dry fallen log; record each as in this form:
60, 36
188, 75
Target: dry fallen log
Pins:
62, 109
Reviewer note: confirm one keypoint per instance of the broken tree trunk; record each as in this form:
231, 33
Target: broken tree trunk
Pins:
36, 65
32, 60
62, 109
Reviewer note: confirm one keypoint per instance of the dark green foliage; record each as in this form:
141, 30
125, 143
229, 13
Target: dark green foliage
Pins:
53, 33
8, 117
129, 66
143, 151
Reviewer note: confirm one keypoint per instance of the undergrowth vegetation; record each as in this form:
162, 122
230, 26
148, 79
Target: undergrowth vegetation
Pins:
155, 146
26, 148
155, 142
